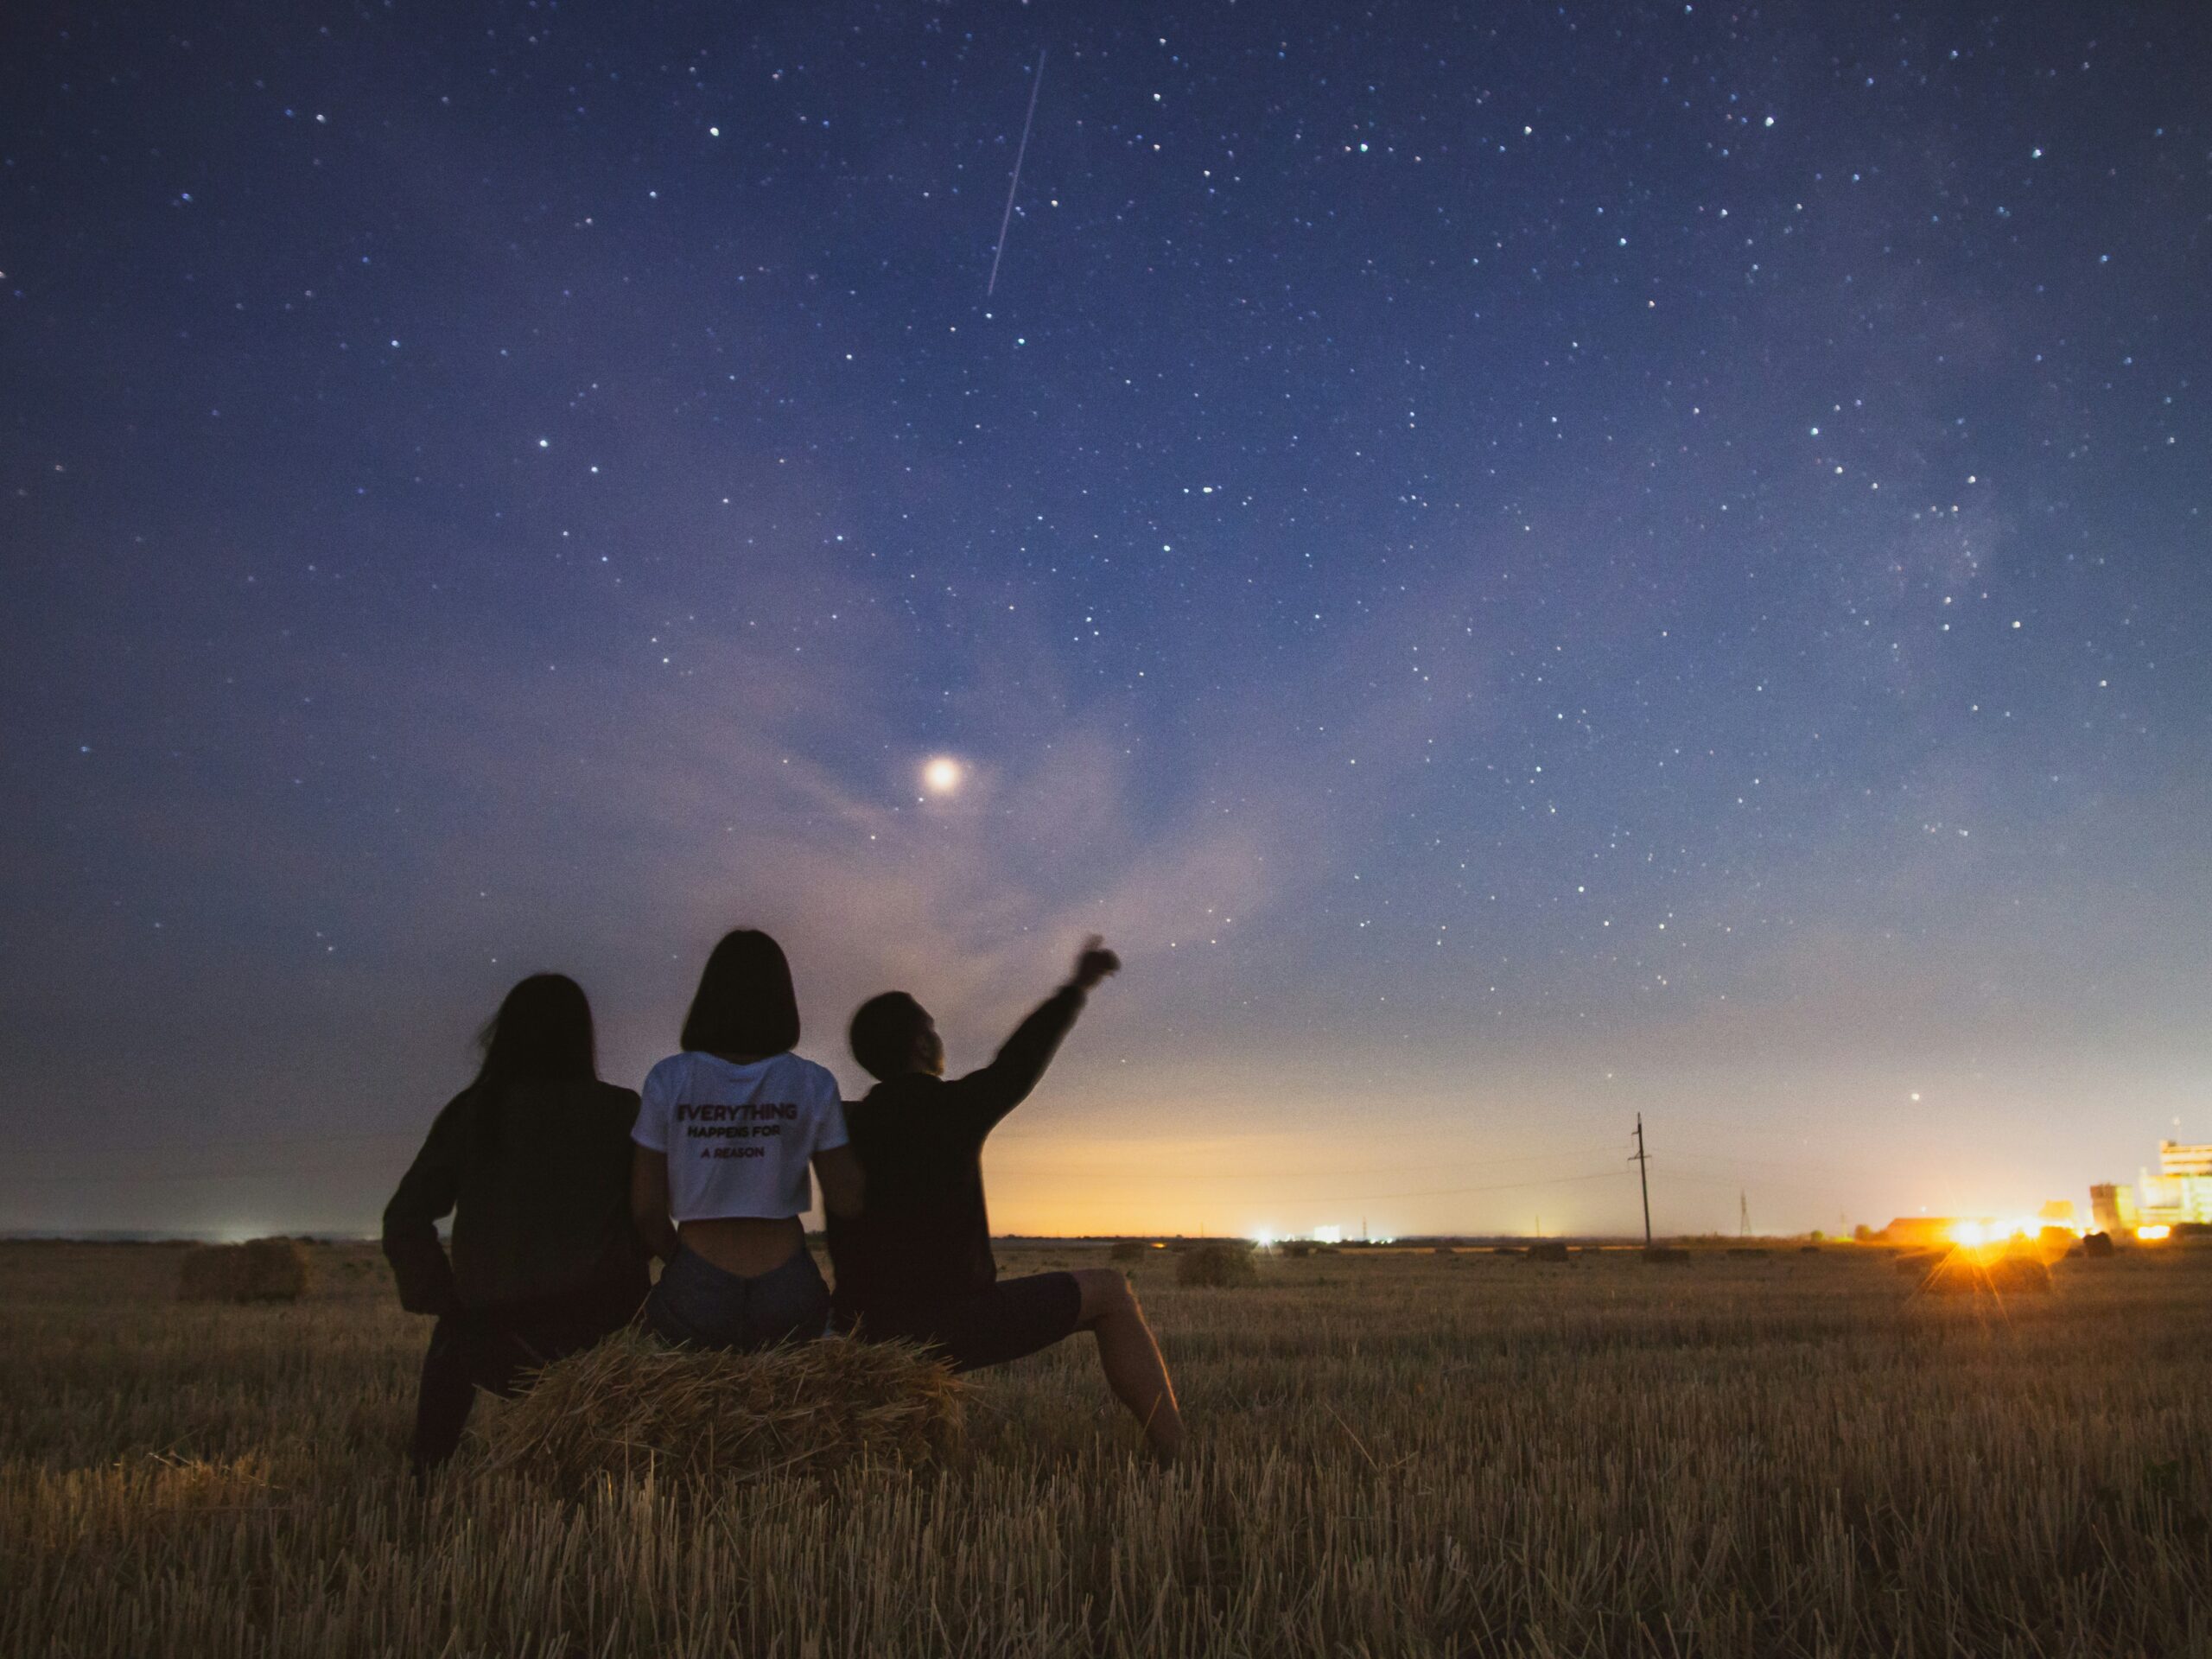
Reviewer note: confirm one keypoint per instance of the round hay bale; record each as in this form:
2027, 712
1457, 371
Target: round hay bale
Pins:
1217, 1266
633, 1403
1962, 1274
1127, 1250
1547, 1250
2096, 1245
259, 1270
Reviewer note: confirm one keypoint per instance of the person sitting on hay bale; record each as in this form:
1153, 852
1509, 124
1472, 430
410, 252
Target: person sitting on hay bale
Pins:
917, 1264
725, 1135
531, 1161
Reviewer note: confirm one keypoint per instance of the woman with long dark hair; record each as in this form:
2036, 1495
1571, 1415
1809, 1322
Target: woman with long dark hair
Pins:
726, 1135
531, 1159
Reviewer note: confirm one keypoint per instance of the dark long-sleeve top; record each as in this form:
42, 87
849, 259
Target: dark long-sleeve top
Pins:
536, 1177
925, 1236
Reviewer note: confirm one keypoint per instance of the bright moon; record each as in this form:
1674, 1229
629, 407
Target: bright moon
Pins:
941, 775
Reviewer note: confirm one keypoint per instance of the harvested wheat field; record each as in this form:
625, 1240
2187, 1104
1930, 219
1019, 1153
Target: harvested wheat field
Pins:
1395, 1454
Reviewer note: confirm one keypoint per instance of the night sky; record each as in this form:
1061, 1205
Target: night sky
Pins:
1524, 563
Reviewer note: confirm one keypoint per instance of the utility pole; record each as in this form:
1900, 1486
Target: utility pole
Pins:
1643, 1176
1743, 1213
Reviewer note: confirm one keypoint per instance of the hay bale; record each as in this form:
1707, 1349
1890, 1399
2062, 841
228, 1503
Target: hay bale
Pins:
1127, 1250
1549, 1250
259, 1270
2096, 1245
633, 1403
1961, 1273
1216, 1266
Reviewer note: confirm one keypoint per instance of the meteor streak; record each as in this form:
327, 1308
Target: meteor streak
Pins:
1036, 82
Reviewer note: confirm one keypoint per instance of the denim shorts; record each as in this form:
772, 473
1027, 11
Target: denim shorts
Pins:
697, 1302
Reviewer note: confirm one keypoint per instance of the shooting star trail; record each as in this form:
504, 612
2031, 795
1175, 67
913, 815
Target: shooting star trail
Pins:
1036, 85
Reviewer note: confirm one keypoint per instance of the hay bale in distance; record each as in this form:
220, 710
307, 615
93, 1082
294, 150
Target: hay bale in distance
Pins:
259, 1270
1127, 1250
1216, 1266
1547, 1249
2096, 1245
633, 1403
1961, 1273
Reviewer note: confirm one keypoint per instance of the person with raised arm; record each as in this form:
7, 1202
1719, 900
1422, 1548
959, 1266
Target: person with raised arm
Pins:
917, 1263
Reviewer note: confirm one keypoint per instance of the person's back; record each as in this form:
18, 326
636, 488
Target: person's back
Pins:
532, 1161
542, 1209
729, 1134
926, 1232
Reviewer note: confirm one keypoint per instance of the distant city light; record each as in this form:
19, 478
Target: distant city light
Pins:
2154, 1232
1328, 1235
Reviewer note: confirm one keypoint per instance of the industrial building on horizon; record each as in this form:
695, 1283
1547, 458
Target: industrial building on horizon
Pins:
2180, 1191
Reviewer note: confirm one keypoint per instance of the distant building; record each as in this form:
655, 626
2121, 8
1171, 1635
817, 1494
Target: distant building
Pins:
2113, 1207
2181, 1191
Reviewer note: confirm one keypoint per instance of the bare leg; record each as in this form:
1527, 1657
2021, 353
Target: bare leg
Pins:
1130, 1358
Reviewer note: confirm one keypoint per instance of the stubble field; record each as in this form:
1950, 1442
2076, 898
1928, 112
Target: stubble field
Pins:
1395, 1454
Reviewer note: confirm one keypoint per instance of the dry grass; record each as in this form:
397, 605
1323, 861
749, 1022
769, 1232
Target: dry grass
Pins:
259, 1270
1795, 1456
631, 1404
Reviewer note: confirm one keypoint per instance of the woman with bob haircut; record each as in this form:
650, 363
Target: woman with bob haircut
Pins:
530, 1161
726, 1132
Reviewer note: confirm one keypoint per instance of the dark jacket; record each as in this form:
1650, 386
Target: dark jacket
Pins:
537, 1179
924, 1236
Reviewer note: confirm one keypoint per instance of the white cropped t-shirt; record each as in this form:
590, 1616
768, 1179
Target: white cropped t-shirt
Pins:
738, 1137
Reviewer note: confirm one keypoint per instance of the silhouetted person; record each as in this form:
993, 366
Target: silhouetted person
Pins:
917, 1263
532, 1161
725, 1137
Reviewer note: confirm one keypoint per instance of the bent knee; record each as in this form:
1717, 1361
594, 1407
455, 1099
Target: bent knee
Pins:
1105, 1290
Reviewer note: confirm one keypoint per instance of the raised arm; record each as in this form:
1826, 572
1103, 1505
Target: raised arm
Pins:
426, 1195
1003, 1085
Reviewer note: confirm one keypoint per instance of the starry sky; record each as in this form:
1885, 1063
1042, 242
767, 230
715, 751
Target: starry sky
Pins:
1526, 563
